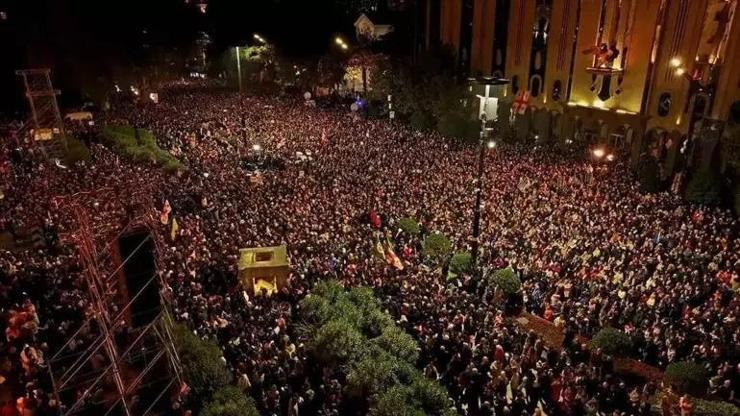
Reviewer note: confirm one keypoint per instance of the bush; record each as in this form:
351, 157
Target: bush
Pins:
203, 367
229, 401
437, 246
421, 120
461, 262
458, 124
613, 342
704, 188
507, 281
144, 148
409, 226
714, 408
688, 377
76, 151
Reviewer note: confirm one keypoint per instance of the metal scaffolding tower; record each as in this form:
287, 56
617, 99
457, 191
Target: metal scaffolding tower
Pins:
109, 366
48, 128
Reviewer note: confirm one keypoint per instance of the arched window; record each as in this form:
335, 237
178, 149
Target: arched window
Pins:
535, 85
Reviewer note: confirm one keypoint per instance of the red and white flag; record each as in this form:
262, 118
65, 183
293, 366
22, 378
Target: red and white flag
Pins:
521, 103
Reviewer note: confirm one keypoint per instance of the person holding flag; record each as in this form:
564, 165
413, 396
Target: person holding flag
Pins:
164, 216
390, 255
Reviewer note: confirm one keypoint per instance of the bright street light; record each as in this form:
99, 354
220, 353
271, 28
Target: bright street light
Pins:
599, 153
338, 41
256, 147
675, 62
344, 46
259, 38
491, 144
610, 157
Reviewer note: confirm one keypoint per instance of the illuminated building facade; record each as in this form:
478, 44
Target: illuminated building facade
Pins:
639, 75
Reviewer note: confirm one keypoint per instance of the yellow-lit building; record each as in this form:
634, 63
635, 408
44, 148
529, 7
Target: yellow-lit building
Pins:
639, 75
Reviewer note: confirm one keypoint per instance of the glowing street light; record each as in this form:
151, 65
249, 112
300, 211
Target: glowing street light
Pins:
491, 144
259, 38
344, 46
599, 153
256, 147
675, 62
338, 41
610, 157
680, 71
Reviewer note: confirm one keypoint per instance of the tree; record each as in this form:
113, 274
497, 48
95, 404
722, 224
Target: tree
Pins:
437, 246
507, 281
461, 262
705, 188
613, 342
337, 342
648, 174
409, 226
229, 401
202, 363
688, 377
398, 343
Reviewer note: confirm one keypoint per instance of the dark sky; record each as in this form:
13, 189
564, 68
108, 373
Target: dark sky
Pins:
86, 38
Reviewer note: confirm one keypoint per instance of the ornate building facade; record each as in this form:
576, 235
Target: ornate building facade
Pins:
638, 75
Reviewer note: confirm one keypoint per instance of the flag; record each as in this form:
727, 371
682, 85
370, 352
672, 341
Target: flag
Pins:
378, 249
390, 255
164, 217
520, 103
175, 229
375, 219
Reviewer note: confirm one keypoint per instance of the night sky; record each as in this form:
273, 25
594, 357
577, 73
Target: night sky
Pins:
80, 39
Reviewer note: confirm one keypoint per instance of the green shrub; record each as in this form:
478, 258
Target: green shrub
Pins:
229, 401
613, 342
398, 343
437, 246
409, 226
76, 151
421, 120
370, 375
688, 377
714, 408
461, 262
202, 364
395, 402
507, 281
143, 149
704, 188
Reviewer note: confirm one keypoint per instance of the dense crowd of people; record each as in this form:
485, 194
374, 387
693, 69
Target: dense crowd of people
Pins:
590, 249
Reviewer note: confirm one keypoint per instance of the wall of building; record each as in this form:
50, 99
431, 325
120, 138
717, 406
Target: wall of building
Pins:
636, 74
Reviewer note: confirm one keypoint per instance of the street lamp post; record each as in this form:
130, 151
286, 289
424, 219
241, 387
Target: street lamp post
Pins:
239, 69
492, 89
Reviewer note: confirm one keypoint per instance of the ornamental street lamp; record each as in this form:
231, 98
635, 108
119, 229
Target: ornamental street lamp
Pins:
488, 90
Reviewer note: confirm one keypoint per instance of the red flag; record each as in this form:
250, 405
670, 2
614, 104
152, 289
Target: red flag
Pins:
375, 219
